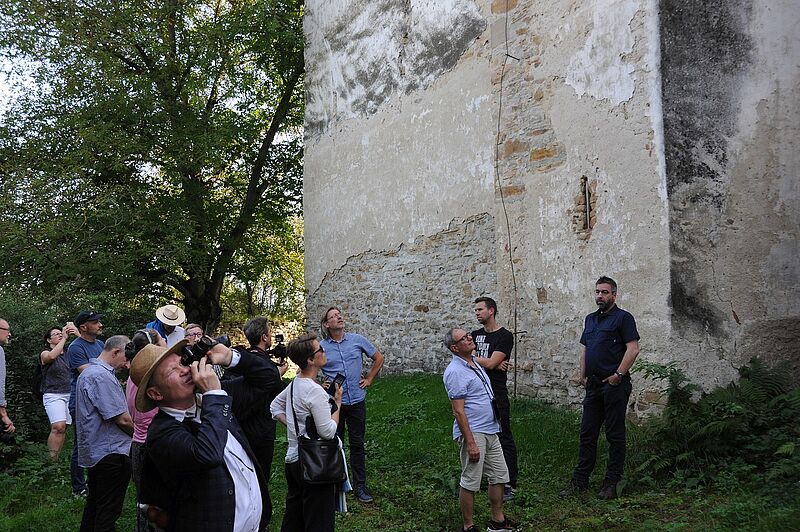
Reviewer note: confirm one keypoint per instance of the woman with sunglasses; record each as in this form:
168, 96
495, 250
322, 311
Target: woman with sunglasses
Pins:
310, 507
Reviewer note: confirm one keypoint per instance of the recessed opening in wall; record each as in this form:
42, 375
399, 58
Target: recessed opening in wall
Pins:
583, 211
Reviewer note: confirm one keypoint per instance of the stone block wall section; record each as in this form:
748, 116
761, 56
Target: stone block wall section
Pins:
405, 299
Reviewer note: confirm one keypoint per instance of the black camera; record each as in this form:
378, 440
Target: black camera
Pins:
5, 437
196, 351
278, 351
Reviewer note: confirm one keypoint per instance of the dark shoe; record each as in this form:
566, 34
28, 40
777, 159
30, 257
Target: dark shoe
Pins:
506, 526
508, 493
473, 528
608, 491
81, 494
573, 488
363, 494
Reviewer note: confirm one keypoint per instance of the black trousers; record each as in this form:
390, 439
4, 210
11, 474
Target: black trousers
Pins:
507, 439
355, 417
309, 507
76, 472
264, 452
607, 404
108, 481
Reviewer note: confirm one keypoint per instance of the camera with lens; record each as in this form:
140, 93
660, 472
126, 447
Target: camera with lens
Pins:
278, 351
196, 351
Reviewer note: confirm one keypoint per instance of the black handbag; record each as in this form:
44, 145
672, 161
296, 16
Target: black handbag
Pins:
321, 460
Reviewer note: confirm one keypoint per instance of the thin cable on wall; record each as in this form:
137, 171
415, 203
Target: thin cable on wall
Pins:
506, 57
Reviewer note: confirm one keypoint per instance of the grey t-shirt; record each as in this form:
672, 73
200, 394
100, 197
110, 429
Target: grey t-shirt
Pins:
56, 376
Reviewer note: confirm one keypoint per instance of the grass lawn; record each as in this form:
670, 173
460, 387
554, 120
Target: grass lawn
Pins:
413, 470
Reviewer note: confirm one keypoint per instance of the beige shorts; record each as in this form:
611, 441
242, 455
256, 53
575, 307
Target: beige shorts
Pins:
491, 463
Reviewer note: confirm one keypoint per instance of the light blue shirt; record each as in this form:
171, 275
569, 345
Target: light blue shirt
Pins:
98, 399
345, 357
462, 381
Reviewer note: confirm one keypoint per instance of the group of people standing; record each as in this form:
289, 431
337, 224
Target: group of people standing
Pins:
200, 446
475, 381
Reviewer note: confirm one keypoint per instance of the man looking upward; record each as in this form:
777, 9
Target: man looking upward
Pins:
344, 352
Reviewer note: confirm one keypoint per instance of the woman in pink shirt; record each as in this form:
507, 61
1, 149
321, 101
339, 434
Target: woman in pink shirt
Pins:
141, 421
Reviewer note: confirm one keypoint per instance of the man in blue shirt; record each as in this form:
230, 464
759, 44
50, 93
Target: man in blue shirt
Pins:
476, 428
79, 352
609, 347
344, 352
104, 431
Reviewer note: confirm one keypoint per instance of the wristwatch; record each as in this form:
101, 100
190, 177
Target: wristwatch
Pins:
620, 374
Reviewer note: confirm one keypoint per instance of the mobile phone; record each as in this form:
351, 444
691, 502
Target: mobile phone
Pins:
70, 325
337, 383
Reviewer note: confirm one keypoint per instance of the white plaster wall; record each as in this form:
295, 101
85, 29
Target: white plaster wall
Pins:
374, 181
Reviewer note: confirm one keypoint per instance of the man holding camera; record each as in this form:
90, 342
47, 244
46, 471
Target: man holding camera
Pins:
476, 429
168, 324
256, 421
199, 468
345, 355
6, 426
104, 432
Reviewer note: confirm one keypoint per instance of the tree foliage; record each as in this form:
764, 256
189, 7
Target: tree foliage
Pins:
156, 147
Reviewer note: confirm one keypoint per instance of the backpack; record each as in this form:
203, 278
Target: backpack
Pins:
36, 382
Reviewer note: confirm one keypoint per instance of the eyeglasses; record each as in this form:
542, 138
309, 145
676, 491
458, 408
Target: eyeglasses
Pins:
195, 335
468, 335
4, 329
317, 351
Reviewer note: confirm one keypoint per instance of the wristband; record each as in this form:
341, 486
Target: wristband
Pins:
620, 374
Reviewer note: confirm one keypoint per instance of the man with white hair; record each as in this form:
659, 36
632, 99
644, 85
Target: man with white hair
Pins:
476, 428
104, 432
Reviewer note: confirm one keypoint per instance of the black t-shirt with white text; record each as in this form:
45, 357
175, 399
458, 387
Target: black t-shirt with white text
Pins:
486, 344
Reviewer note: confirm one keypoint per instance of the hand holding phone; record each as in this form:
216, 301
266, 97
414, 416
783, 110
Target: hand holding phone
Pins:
337, 383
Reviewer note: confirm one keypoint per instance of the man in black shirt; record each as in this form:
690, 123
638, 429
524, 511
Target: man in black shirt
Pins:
493, 351
609, 347
255, 419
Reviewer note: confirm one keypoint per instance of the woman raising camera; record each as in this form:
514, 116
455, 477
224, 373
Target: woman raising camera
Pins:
308, 507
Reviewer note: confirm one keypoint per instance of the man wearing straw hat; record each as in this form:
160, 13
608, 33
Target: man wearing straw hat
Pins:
199, 467
168, 324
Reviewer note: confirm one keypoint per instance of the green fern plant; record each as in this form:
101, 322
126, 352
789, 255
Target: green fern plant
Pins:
745, 429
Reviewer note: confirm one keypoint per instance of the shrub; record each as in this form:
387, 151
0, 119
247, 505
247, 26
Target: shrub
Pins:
727, 437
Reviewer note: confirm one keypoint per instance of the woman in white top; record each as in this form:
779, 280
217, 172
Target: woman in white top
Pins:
308, 507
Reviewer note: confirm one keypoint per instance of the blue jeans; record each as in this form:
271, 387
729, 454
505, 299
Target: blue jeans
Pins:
355, 417
76, 472
607, 404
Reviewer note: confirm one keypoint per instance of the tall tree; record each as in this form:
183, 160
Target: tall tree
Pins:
152, 143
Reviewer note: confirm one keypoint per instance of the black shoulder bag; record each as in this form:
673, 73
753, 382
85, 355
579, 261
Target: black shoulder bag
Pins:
321, 460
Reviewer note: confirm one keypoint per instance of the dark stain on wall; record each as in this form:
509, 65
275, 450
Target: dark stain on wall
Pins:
425, 51
705, 50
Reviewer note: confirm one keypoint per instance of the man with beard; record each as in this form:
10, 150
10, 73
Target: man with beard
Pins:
493, 351
609, 347
84, 348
